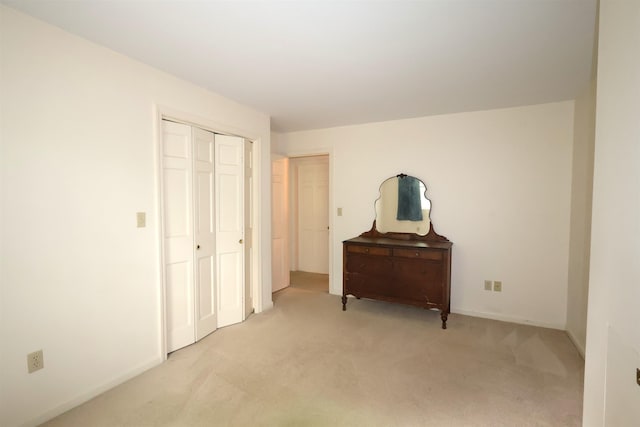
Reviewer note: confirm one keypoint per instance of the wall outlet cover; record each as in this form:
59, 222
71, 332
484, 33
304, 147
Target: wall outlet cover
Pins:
35, 361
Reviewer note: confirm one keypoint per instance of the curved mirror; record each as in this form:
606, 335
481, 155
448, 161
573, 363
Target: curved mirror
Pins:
403, 206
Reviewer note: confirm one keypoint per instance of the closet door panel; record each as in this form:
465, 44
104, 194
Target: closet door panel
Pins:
229, 179
180, 308
204, 221
178, 234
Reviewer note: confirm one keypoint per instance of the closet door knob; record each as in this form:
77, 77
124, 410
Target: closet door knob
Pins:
198, 247
240, 241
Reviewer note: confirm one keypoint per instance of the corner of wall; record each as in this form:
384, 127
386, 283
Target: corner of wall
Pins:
580, 216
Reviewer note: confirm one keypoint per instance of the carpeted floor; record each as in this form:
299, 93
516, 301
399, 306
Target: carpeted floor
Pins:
308, 363
309, 281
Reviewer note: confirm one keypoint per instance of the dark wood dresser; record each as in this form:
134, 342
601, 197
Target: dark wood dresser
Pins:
399, 268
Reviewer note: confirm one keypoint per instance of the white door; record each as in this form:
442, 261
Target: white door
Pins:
178, 234
313, 215
204, 233
203, 227
279, 224
229, 190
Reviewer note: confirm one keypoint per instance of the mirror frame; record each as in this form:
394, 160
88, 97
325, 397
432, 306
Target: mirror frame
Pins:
431, 236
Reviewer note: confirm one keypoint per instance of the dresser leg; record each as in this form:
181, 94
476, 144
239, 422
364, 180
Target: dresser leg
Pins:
344, 303
444, 316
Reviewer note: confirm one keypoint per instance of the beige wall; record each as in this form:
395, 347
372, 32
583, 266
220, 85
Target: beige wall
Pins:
78, 160
580, 232
611, 394
499, 182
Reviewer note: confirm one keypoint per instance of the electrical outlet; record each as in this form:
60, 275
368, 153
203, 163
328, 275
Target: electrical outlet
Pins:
497, 286
487, 285
35, 361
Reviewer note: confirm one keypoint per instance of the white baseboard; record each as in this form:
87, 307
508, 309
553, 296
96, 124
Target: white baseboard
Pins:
511, 319
90, 394
577, 343
267, 306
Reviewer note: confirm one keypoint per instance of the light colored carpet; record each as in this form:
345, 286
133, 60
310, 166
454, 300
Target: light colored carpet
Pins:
308, 363
310, 281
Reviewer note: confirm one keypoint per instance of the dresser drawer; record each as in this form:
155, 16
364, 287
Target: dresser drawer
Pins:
429, 254
368, 250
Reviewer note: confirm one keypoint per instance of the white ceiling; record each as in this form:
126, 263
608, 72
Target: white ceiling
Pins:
316, 64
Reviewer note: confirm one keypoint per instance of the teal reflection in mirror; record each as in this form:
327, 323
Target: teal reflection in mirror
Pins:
403, 206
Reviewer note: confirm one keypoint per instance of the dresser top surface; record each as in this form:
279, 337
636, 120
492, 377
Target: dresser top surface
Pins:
381, 241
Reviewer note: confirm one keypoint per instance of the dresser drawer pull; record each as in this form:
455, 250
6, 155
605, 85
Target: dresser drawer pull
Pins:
417, 253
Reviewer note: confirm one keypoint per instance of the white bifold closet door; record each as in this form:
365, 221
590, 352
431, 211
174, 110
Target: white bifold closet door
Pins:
203, 278
229, 193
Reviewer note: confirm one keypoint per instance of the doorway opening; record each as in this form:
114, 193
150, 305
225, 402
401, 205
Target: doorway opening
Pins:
301, 223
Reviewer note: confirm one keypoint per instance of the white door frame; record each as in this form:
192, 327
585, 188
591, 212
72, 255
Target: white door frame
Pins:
334, 287
168, 113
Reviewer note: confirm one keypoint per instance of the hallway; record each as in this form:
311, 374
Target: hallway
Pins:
315, 282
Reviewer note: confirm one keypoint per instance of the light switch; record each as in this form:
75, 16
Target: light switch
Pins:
141, 219
339, 211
